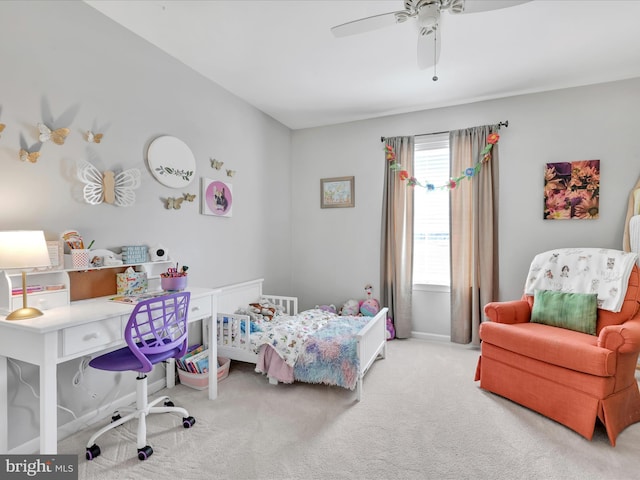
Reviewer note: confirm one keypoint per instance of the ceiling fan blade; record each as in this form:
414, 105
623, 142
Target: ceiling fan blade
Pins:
369, 23
473, 6
428, 49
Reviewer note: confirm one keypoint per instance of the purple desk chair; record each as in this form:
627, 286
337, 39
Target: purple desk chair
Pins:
155, 332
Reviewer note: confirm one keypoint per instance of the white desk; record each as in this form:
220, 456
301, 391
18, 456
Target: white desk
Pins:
64, 333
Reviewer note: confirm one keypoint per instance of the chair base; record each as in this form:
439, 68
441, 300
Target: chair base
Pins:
142, 409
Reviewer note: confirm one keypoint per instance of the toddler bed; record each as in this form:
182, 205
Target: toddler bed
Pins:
313, 346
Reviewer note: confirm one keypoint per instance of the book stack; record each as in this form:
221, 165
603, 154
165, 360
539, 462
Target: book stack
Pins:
30, 289
195, 361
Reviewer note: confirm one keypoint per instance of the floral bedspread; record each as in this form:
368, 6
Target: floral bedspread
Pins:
287, 334
330, 355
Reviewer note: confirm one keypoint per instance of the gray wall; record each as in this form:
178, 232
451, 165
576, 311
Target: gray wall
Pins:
66, 62
336, 252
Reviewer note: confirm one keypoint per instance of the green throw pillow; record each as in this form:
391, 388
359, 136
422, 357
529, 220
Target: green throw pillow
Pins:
575, 311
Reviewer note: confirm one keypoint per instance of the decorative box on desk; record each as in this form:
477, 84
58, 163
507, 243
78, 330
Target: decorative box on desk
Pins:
131, 282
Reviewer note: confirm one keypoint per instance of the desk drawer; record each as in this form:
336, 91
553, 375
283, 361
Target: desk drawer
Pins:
91, 336
200, 308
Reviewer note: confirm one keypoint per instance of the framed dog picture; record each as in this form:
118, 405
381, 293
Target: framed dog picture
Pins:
216, 198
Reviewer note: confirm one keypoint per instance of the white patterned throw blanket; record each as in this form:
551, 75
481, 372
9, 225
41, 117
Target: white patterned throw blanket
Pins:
583, 270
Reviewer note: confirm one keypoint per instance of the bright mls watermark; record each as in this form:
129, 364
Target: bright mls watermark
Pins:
50, 467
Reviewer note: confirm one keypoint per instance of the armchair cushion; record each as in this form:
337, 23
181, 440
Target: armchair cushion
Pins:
575, 311
555, 346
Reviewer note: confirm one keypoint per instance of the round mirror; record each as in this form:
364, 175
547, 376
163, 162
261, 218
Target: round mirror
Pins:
171, 162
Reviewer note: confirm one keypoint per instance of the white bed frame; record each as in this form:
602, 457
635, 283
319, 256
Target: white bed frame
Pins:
372, 338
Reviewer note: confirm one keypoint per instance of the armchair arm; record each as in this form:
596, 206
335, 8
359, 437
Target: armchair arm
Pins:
515, 311
623, 338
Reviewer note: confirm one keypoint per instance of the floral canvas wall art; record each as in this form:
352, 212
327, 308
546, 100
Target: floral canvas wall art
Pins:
572, 190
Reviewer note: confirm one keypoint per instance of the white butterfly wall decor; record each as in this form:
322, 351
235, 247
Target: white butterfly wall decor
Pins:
57, 136
217, 164
189, 197
94, 137
231, 173
108, 187
27, 156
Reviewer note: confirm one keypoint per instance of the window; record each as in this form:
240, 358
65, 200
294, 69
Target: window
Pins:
431, 211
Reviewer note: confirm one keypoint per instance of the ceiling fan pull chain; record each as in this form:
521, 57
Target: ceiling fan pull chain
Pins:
435, 49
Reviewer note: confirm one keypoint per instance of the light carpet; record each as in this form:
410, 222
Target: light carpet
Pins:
421, 417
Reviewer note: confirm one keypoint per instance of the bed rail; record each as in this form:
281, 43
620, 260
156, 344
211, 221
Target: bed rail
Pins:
372, 342
290, 304
234, 341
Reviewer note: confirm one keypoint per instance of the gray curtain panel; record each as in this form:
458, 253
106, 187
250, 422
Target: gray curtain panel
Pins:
397, 239
474, 233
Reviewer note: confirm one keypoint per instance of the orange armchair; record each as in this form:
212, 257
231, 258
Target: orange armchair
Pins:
571, 377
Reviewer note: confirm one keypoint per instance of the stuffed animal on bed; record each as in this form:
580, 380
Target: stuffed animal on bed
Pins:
261, 311
327, 308
250, 312
267, 309
350, 307
369, 307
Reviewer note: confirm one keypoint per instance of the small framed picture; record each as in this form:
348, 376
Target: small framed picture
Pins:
216, 198
337, 192
56, 250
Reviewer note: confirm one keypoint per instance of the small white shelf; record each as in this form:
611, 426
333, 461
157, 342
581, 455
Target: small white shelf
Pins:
10, 279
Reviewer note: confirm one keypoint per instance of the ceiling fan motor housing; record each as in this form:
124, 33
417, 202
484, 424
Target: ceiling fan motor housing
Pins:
428, 16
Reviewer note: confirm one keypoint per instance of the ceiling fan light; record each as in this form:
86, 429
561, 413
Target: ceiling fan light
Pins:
428, 15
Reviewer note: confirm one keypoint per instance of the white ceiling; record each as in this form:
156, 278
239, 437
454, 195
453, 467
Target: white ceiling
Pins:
281, 57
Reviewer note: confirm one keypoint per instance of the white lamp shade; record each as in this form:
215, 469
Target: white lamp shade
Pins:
23, 249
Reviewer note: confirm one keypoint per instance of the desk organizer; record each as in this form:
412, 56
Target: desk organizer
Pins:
80, 258
173, 284
200, 381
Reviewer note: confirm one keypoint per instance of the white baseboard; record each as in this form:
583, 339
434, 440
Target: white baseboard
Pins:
89, 418
431, 336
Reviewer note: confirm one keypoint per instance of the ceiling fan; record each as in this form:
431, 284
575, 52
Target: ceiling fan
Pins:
427, 13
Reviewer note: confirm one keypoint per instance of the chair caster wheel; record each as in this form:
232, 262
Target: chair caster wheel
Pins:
145, 452
115, 417
169, 403
92, 452
188, 422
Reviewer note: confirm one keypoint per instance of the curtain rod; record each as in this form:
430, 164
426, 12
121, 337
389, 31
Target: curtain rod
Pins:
500, 124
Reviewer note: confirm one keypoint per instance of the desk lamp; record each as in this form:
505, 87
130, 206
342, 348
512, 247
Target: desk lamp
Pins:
24, 250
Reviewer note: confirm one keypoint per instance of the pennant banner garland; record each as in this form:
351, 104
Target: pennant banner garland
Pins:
469, 173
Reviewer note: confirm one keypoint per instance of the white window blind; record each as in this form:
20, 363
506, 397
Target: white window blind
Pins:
431, 211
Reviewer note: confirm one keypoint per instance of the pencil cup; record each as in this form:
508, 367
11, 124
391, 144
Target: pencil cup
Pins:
80, 258
173, 284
